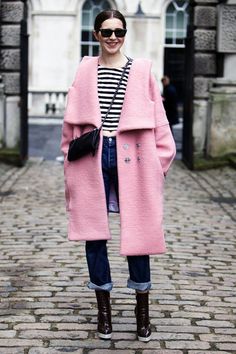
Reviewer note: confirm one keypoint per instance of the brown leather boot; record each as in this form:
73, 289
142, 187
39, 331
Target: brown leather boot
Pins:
142, 317
104, 314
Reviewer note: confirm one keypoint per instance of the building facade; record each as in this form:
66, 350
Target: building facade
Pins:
35, 80
61, 33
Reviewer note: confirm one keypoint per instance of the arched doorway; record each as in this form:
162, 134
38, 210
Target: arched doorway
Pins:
174, 52
174, 58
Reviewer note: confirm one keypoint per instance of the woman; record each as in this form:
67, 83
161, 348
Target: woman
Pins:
137, 146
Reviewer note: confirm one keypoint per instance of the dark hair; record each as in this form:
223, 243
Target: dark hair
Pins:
106, 15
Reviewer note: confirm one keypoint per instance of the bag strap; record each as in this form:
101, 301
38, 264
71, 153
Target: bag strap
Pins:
117, 88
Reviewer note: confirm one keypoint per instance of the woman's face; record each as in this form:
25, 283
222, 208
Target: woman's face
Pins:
112, 44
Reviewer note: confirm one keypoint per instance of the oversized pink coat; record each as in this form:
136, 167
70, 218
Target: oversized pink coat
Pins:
145, 150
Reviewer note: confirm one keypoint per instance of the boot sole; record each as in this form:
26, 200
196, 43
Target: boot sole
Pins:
104, 336
144, 339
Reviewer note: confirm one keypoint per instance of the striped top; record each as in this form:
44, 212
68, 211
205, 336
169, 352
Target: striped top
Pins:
108, 79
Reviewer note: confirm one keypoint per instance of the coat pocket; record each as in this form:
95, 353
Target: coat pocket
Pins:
67, 197
160, 169
67, 190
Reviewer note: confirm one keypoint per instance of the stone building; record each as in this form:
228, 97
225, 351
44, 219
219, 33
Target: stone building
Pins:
209, 135
60, 33
13, 81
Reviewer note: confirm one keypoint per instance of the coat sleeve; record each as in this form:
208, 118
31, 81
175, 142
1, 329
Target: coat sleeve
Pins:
66, 137
70, 111
165, 143
71, 114
67, 133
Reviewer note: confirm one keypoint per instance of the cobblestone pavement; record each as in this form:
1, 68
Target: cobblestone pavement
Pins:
45, 305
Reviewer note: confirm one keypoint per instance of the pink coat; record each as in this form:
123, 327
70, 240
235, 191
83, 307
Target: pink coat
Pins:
144, 137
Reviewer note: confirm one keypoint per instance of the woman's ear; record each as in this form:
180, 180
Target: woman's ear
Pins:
95, 35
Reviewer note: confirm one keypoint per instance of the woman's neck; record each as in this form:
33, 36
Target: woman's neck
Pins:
113, 61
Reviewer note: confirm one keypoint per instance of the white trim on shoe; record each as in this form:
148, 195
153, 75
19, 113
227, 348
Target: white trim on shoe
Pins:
145, 339
104, 336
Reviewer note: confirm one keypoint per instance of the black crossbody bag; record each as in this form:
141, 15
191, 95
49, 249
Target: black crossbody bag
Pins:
88, 143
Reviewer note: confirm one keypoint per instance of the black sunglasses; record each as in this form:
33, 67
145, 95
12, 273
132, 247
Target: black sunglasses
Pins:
107, 32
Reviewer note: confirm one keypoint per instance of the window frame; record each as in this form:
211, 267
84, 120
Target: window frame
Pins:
90, 47
173, 30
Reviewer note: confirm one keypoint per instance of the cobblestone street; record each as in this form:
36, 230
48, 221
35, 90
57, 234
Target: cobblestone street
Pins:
45, 305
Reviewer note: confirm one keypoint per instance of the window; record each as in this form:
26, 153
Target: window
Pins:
176, 23
89, 45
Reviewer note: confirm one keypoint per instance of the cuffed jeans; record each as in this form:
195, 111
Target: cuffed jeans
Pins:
96, 251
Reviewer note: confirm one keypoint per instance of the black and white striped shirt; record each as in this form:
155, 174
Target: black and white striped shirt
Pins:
108, 79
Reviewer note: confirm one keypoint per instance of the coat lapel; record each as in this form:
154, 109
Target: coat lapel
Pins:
138, 110
83, 106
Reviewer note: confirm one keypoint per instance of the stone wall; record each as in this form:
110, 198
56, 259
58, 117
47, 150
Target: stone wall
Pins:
222, 118
12, 12
205, 20
222, 93
214, 100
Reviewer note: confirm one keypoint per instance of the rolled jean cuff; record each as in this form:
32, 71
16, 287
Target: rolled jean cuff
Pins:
139, 286
106, 287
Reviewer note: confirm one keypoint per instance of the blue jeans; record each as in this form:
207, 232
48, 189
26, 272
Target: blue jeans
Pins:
96, 251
